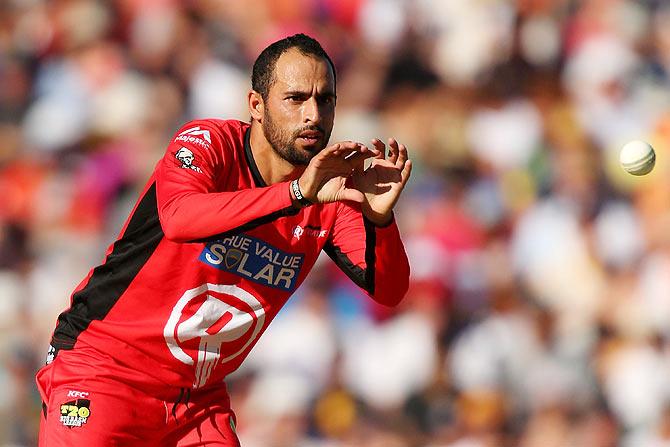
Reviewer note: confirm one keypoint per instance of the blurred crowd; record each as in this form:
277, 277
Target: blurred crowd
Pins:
539, 307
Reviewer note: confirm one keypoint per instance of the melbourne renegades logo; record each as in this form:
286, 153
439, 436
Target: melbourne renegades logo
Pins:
213, 324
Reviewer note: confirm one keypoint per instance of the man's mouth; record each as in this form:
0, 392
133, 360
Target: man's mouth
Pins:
310, 137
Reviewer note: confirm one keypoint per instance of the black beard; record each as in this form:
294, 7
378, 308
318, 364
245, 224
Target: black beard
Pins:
283, 143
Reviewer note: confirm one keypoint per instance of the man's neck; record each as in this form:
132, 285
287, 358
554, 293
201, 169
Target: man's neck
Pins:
272, 167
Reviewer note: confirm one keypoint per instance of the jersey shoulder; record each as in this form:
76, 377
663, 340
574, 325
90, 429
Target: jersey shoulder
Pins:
208, 134
227, 129
231, 127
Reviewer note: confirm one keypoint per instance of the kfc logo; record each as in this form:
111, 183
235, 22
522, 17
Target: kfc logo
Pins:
186, 157
81, 394
211, 325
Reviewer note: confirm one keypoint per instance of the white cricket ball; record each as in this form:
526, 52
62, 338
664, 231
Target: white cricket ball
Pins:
637, 157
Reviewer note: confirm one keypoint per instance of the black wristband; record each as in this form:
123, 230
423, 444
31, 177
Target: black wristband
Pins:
295, 187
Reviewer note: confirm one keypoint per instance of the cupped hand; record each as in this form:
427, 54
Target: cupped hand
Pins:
383, 181
325, 178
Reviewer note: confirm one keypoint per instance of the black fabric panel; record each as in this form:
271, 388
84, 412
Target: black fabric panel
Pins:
354, 272
111, 279
363, 278
370, 255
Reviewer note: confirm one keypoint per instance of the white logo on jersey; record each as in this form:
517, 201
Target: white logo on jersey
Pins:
298, 232
186, 157
80, 394
243, 318
196, 136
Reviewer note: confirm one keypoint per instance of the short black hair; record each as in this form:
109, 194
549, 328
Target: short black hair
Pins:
262, 75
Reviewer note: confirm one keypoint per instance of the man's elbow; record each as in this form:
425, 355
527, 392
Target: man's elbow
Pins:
392, 296
173, 229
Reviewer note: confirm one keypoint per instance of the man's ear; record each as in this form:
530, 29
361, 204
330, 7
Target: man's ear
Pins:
256, 105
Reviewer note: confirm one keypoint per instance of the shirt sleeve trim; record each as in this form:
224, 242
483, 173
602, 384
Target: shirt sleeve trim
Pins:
363, 278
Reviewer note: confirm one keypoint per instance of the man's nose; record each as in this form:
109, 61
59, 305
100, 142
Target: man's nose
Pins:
311, 112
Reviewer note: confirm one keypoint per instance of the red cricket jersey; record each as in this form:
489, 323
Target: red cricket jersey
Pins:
208, 257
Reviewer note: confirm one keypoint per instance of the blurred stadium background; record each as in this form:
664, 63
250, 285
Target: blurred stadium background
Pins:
539, 308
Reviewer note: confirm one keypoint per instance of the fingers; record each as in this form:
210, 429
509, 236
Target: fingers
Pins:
379, 145
350, 156
337, 149
346, 157
397, 152
402, 157
406, 171
350, 147
356, 160
347, 149
393, 150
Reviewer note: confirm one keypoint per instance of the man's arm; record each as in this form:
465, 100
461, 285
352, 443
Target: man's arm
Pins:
365, 242
372, 256
192, 210
189, 206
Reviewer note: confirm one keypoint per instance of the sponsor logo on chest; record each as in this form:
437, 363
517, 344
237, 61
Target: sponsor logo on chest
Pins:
255, 260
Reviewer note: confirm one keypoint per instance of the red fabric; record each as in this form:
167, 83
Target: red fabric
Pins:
185, 314
87, 407
392, 267
194, 205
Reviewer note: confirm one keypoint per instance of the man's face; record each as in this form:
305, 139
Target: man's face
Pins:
300, 107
